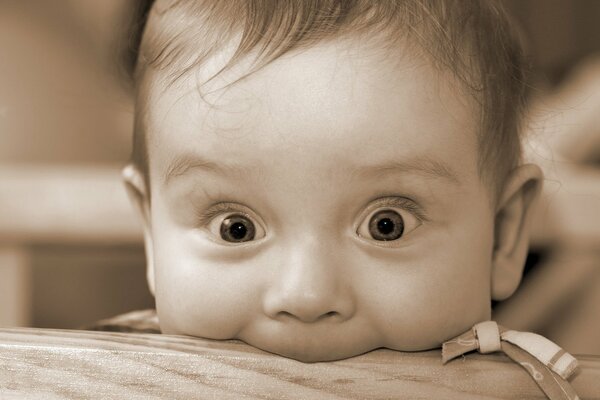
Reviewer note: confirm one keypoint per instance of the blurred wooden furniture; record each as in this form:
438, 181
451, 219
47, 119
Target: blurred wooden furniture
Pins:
63, 105
55, 205
61, 364
46, 203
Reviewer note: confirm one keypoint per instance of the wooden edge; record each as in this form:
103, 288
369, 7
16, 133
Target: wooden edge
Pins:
46, 363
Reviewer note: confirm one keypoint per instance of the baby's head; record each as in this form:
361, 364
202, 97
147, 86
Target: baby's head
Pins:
323, 178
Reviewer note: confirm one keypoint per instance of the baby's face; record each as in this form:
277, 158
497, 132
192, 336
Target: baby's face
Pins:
325, 206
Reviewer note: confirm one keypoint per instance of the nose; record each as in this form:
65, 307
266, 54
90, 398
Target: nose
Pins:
310, 285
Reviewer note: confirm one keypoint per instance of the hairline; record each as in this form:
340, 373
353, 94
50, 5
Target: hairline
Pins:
487, 170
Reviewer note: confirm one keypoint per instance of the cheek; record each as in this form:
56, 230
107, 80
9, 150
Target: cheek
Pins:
198, 297
436, 296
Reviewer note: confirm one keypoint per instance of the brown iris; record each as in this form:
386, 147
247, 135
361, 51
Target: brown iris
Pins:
386, 225
237, 228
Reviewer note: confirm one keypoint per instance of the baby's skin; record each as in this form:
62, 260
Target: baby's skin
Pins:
326, 205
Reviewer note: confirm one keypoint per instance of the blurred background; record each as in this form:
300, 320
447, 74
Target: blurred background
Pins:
70, 245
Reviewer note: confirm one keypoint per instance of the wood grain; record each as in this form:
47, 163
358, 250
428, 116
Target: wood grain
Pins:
60, 364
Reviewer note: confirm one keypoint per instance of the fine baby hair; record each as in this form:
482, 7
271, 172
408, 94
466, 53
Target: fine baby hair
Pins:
472, 39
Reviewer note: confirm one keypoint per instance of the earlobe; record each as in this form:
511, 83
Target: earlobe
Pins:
512, 228
137, 192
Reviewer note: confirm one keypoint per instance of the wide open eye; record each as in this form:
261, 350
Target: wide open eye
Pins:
388, 224
225, 223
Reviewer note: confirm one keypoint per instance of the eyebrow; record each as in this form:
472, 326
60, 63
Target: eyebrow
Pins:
182, 164
424, 166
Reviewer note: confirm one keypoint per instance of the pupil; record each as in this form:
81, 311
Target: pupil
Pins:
385, 226
238, 230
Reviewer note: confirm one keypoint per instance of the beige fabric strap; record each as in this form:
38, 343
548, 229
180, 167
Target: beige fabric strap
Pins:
544, 350
488, 335
548, 364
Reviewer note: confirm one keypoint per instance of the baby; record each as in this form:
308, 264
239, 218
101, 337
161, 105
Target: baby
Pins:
323, 178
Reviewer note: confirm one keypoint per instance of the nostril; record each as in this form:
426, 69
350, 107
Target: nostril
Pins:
285, 314
307, 318
329, 314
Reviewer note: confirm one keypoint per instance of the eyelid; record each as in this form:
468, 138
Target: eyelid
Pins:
396, 202
403, 203
206, 217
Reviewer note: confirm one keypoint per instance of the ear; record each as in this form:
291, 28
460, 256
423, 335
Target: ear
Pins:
138, 194
513, 223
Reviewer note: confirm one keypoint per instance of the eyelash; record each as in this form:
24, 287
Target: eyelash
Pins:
399, 202
204, 217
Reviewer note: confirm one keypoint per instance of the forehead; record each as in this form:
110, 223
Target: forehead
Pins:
328, 107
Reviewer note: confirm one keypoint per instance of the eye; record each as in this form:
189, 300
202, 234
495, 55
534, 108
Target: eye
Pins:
386, 225
390, 224
229, 225
237, 228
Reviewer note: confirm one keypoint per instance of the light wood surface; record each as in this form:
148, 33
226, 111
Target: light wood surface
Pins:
59, 364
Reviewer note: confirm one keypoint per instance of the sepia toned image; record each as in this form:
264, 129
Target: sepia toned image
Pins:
274, 199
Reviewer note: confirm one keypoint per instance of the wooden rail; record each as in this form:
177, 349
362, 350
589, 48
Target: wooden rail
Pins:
60, 205
65, 204
60, 364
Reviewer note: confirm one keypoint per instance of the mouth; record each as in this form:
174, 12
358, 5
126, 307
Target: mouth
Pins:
310, 345
308, 354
